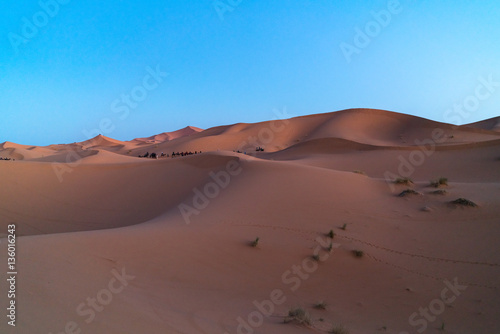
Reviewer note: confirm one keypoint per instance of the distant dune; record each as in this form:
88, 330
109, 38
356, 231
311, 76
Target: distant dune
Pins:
182, 228
166, 136
488, 124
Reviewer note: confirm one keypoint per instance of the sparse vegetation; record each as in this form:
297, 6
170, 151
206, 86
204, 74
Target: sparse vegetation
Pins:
315, 257
339, 330
442, 327
331, 234
343, 227
358, 253
442, 181
409, 192
464, 202
255, 243
298, 316
404, 181
439, 192
359, 172
320, 306
330, 247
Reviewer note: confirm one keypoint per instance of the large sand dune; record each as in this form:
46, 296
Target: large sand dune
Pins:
178, 231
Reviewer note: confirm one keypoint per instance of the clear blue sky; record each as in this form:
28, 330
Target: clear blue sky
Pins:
236, 63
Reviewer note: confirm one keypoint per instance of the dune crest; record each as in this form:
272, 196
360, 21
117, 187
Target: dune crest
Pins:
492, 124
166, 136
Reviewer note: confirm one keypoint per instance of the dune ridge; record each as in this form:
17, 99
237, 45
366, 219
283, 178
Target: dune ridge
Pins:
364, 126
492, 124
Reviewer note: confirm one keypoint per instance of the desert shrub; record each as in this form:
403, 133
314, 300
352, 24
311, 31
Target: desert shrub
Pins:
320, 306
331, 234
339, 330
409, 192
330, 247
439, 192
255, 243
298, 316
464, 202
404, 181
358, 253
442, 181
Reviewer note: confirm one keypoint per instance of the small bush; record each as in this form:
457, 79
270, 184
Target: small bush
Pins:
298, 316
339, 330
442, 181
320, 306
330, 247
409, 192
359, 172
358, 253
331, 234
255, 243
404, 181
439, 192
344, 227
315, 257
464, 202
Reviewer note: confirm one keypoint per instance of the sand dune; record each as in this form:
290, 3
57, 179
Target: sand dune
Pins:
366, 126
181, 228
166, 136
488, 124
6, 145
101, 141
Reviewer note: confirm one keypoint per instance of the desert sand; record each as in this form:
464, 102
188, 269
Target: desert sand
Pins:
108, 242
